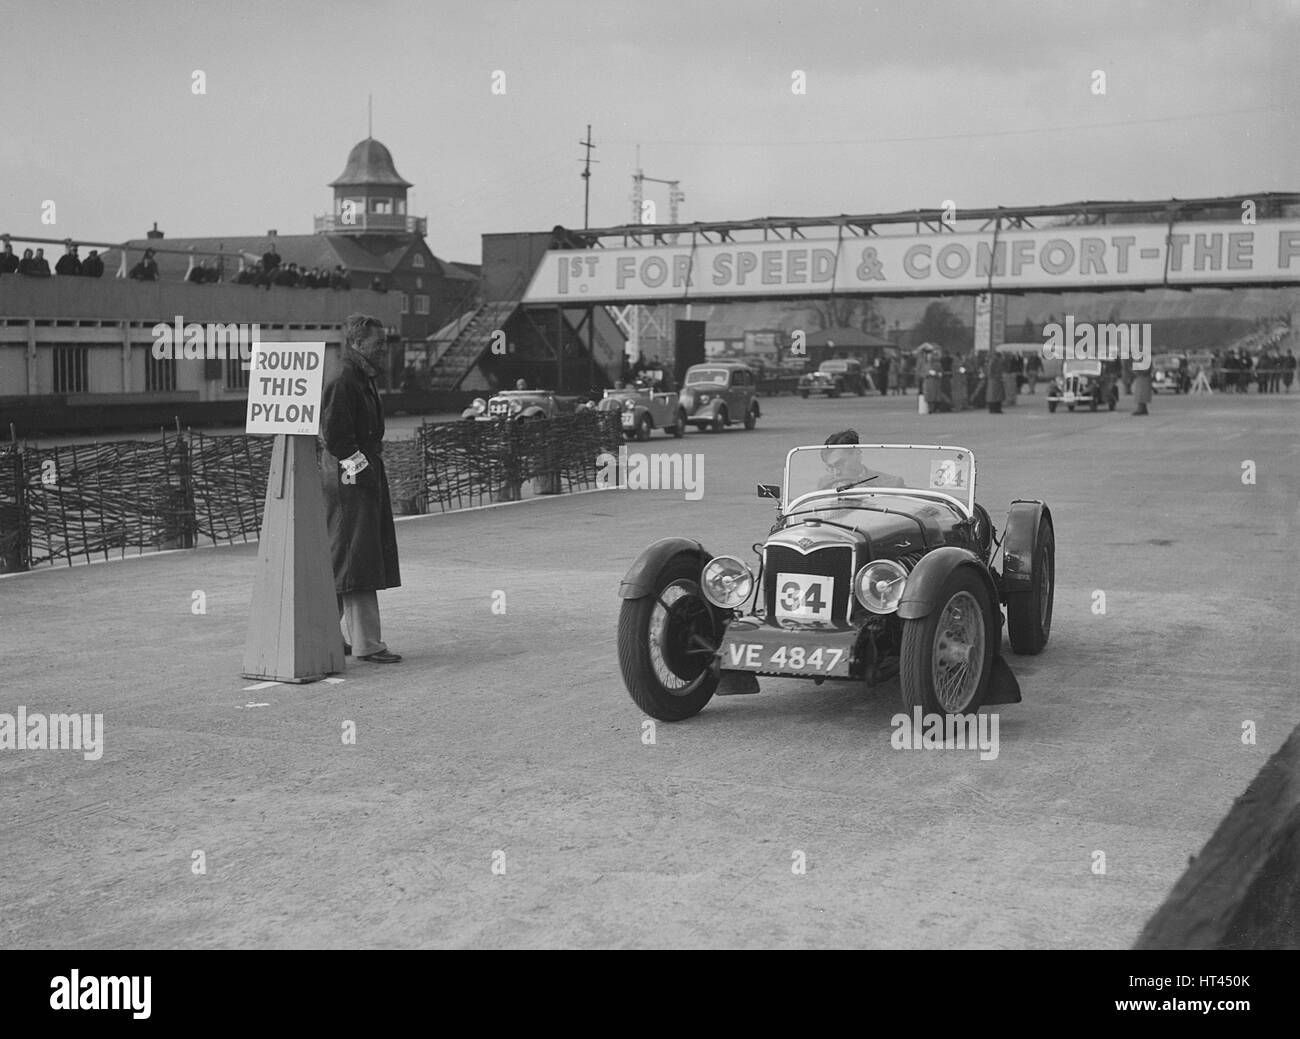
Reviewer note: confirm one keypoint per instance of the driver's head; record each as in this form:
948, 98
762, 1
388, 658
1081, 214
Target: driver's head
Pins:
838, 454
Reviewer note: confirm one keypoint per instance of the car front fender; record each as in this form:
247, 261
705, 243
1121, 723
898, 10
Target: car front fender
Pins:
1018, 543
638, 582
921, 592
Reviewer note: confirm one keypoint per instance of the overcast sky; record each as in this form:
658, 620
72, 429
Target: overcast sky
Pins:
906, 105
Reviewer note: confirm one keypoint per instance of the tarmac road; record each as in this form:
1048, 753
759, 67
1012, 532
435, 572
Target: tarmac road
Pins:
512, 732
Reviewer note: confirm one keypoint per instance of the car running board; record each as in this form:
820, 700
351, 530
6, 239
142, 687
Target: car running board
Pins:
736, 683
1003, 687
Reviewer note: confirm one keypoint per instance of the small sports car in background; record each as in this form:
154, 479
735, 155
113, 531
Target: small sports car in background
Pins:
643, 410
881, 563
1083, 382
522, 406
720, 393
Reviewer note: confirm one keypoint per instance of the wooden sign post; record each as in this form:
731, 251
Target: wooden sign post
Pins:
293, 622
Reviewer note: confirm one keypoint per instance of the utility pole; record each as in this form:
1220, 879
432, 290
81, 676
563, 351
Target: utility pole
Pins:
586, 179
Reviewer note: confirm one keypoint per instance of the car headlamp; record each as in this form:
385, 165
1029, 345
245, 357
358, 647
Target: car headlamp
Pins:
629, 405
726, 582
479, 404
879, 585
516, 407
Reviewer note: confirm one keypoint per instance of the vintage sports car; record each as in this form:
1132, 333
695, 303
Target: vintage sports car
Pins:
717, 394
880, 564
522, 406
644, 410
833, 378
1083, 382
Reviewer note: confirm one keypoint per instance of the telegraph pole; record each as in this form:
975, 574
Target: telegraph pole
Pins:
586, 179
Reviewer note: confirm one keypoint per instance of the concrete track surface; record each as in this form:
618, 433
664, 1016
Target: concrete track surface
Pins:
508, 739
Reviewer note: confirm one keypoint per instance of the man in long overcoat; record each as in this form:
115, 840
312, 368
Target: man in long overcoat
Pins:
358, 510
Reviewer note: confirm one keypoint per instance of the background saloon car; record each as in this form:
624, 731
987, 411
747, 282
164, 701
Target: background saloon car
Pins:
716, 395
834, 377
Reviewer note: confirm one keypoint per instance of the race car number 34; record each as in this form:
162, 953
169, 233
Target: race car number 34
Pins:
782, 658
804, 597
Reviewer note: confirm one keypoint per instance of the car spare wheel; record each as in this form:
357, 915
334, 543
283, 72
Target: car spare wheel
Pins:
666, 644
947, 656
1029, 613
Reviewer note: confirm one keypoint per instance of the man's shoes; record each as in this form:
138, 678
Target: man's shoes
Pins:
1141, 410
382, 658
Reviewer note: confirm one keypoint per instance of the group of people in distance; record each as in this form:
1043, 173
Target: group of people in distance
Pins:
35, 265
266, 272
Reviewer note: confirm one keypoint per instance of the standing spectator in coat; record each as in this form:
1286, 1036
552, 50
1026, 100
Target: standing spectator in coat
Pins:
27, 265
359, 512
270, 258
69, 264
8, 261
1033, 369
1287, 361
40, 265
146, 269
93, 265
882, 374
995, 393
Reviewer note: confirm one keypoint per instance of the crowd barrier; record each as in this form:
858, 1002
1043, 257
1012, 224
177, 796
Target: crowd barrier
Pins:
61, 504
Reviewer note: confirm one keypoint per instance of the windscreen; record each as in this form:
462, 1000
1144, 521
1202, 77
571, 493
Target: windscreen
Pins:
950, 470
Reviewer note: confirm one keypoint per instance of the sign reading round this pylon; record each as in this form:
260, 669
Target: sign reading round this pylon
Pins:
284, 388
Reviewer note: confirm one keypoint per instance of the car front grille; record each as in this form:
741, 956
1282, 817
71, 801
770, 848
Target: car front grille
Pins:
832, 561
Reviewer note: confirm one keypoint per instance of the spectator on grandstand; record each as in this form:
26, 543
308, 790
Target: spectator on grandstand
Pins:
287, 276
27, 265
340, 279
8, 261
93, 265
1288, 370
198, 273
41, 265
270, 258
69, 263
146, 269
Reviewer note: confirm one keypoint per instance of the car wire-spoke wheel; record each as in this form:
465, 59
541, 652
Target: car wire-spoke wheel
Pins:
668, 641
958, 652
946, 658
680, 638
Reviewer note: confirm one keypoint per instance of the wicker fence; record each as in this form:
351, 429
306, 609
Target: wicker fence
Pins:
89, 501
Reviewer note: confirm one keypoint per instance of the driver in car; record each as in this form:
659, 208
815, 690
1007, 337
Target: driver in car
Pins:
845, 465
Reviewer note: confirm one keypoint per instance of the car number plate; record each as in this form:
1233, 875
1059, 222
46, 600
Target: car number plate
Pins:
804, 597
819, 660
629, 419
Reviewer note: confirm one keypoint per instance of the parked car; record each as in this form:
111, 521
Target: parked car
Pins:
835, 377
1083, 382
718, 394
644, 410
881, 563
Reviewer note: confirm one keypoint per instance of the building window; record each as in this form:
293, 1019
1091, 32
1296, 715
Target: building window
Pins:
419, 283
159, 374
406, 303
417, 260
71, 369
381, 205
422, 304
236, 376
